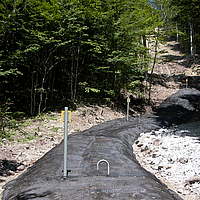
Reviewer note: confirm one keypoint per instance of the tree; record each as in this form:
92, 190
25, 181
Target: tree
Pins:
61, 51
187, 18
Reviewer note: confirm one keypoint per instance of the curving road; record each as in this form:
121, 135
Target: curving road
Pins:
111, 141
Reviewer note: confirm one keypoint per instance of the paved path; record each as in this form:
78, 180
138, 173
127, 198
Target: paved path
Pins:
111, 141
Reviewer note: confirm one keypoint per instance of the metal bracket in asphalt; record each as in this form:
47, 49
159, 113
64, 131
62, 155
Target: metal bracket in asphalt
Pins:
103, 160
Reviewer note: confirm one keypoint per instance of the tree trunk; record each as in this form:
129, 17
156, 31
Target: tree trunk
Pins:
154, 62
76, 73
72, 75
191, 40
41, 93
52, 85
177, 35
32, 92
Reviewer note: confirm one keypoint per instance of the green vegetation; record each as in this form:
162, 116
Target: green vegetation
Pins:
181, 20
62, 52
10, 126
54, 129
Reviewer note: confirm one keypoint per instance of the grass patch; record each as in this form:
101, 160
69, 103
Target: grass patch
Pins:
11, 129
54, 129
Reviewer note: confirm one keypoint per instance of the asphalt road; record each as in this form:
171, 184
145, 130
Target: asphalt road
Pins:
111, 141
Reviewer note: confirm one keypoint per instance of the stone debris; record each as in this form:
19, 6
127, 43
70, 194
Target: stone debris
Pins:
173, 156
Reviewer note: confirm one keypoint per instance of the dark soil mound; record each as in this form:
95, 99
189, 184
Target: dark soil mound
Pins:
8, 165
181, 107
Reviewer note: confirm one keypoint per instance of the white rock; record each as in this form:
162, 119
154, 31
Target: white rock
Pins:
156, 161
147, 160
186, 192
21, 168
175, 159
196, 185
155, 167
155, 155
180, 191
144, 148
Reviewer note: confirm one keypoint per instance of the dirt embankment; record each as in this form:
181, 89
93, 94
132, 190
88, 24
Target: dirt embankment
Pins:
178, 68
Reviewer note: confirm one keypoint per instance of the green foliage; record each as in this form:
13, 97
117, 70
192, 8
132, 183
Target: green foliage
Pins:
56, 52
179, 16
54, 129
8, 123
188, 15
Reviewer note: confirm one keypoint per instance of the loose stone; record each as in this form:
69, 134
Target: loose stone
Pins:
172, 155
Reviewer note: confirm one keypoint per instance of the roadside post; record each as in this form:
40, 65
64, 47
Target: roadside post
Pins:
128, 100
65, 117
186, 83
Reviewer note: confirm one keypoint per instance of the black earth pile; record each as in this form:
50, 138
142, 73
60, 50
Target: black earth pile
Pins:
181, 107
111, 141
7, 165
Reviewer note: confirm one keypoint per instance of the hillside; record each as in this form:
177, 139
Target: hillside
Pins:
171, 61
48, 132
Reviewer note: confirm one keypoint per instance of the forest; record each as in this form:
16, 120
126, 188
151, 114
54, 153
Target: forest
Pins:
62, 52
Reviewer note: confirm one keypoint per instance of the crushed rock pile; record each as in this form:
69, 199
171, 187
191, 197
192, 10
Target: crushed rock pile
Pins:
173, 156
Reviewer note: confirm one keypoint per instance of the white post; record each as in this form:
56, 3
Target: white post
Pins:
128, 100
177, 39
65, 141
191, 40
186, 84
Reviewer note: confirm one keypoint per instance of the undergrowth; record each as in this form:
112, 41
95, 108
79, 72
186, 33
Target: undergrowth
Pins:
12, 125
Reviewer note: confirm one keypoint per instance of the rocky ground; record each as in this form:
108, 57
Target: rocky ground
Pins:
173, 156
171, 61
40, 135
